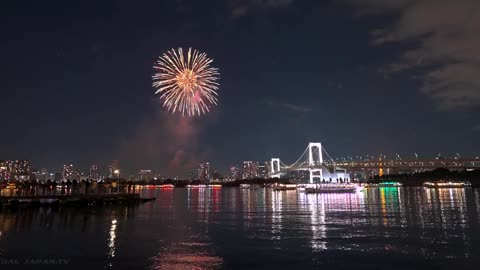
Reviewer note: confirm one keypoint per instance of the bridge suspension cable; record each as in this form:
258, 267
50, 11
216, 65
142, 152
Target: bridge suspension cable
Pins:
296, 162
328, 155
303, 160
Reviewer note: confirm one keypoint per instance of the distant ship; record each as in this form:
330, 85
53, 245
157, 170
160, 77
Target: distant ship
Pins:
248, 186
245, 186
447, 184
385, 184
196, 186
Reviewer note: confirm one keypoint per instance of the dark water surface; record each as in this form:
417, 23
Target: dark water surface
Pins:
231, 228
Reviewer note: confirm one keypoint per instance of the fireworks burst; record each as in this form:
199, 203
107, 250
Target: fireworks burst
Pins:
187, 82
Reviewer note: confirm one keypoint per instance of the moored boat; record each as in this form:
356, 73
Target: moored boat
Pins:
390, 184
284, 187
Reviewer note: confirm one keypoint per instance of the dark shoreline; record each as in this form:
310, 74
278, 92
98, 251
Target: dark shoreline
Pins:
72, 200
437, 175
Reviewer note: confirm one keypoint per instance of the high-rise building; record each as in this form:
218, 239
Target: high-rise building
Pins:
40, 175
67, 171
94, 172
21, 167
256, 171
112, 168
234, 172
10, 169
77, 175
250, 170
268, 168
15, 170
262, 170
145, 175
204, 171
4, 170
247, 170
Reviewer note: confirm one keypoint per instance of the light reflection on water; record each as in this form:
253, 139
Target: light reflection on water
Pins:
235, 228
111, 242
186, 256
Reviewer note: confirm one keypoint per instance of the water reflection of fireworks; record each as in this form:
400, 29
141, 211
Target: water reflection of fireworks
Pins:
195, 256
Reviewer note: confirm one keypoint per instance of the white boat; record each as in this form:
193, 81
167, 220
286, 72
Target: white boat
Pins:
196, 186
244, 185
334, 188
302, 187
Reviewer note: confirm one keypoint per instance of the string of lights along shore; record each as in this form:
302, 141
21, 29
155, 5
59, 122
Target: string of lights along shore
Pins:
186, 81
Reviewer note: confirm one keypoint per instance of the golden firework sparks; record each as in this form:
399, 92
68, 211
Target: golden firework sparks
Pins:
187, 83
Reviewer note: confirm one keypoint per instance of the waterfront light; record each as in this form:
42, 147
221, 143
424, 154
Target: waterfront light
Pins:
117, 172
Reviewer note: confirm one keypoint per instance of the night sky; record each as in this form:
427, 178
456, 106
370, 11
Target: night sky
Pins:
362, 77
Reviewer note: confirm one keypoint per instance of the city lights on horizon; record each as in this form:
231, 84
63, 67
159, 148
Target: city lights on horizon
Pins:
22, 170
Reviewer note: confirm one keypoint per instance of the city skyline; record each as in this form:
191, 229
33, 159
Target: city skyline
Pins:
246, 169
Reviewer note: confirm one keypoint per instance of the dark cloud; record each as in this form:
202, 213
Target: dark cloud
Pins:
289, 106
242, 7
369, 7
298, 108
444, 40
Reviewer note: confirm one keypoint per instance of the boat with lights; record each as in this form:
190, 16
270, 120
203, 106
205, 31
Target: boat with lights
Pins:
281, 187
390, 184
248, 186
334, 188
449, 184
196, 186
384, 184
